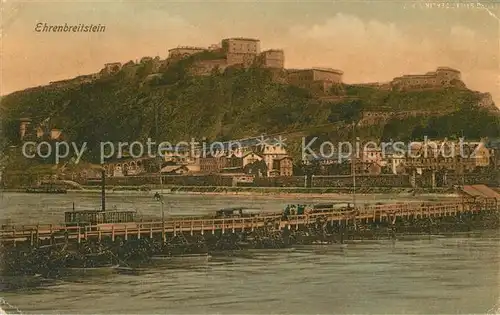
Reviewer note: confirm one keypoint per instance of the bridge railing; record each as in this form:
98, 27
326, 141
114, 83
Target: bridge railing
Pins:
33, 230
208, 222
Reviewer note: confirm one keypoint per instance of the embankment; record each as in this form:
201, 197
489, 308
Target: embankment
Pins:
288, 192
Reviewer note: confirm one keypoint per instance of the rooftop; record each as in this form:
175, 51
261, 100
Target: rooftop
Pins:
448, 69
251, 152
422, 76
327, 69
318, 69
428, 74
188, 47
243, 38
481, 191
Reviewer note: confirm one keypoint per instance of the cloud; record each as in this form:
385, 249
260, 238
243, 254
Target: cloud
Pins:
376, 51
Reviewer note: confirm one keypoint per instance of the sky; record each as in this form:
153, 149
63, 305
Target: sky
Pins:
369, 40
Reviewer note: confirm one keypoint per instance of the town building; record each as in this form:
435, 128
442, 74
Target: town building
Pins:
448, 155
258, 161
272, 153
212, 164
125, 167
371, 155
283, 165
395, 160
188, 161
481, 156
331, 159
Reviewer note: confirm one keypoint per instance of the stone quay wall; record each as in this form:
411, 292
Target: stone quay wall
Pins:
288, 181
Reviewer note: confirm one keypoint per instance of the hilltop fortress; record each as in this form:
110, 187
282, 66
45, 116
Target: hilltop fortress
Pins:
246, 52
442, 77
231, 51
239, 52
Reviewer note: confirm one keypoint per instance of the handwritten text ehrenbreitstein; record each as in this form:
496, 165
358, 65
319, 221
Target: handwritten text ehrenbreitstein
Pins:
67, 28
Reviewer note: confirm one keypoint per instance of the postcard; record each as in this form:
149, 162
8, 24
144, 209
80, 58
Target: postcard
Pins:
249, 157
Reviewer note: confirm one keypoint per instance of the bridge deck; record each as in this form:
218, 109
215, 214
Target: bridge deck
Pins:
276, 221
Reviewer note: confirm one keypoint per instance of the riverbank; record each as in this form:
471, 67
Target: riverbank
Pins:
272, 191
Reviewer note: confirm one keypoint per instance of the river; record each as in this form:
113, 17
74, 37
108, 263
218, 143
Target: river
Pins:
24, 208
418, 275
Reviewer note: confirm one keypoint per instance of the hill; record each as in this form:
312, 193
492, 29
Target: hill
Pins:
176, 106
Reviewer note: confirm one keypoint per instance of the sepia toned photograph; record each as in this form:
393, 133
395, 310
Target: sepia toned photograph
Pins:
249, 157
